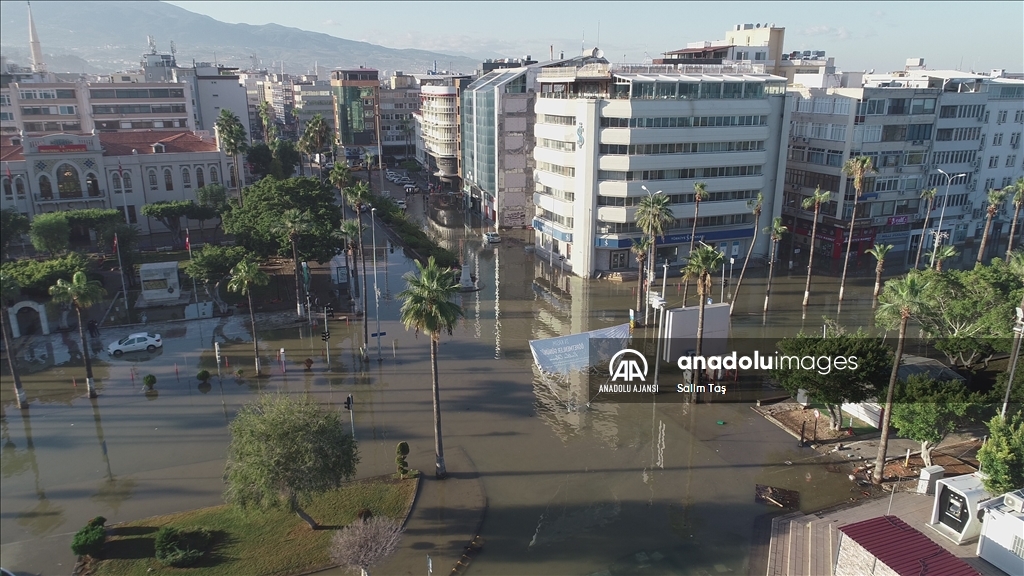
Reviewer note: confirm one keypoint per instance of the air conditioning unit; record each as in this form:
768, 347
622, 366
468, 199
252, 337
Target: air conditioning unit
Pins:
1014, 501
972, 185
918, 142
974, 164
803, 139
899, 169
902, 192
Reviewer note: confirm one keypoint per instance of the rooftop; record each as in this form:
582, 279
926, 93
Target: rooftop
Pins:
123, 143
905, 550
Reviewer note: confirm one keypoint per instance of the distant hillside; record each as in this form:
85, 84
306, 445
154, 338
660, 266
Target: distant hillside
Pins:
91, 36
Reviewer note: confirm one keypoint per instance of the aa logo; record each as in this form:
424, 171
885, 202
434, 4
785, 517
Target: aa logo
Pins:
628, 365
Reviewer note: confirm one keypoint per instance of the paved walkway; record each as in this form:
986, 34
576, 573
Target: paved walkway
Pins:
446, 517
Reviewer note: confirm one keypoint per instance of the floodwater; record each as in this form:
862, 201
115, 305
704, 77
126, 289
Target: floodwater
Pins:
665, 489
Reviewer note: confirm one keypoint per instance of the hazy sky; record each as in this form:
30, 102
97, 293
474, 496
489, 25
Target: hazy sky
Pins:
860, 35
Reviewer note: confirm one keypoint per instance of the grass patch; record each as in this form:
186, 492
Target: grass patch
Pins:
859, 426
274, 542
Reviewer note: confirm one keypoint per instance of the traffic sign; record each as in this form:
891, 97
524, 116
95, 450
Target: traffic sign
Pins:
374, 335
325, 336
817, 414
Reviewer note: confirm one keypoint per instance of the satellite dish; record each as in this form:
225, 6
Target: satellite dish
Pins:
598, 53
758, 25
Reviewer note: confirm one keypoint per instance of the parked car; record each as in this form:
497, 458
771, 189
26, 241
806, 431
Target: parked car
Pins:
135, 343
401, 204
405, 181
411, 188
492, 237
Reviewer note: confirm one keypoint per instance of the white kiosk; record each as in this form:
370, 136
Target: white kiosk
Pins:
955, 511
160, 282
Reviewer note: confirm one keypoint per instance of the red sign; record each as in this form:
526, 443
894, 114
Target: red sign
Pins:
61, 148
895, 220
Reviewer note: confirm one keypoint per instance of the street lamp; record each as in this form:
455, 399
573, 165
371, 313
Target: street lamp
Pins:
376, 291
650, 261
1018, 335
945, 200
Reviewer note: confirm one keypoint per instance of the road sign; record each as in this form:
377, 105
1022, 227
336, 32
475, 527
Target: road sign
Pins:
817, 414
374, 335
325, 336
216, 349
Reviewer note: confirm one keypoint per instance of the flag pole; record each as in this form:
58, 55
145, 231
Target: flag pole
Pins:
124, 287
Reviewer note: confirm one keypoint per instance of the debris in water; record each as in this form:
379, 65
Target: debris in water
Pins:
777, 496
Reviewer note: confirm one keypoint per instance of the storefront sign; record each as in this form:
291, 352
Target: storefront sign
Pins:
61, 148
896, 220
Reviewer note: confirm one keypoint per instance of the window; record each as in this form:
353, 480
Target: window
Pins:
200, 178
8, 190
127, 181
186, 179
560, 120
1011, 160
875, 107
92, 184
997, 139
45, 188
133, 218
152, 180
894, 133
919, 132
168, 180
68, 182
993, 162
922, 106
899, 106
990, 183
1001, 118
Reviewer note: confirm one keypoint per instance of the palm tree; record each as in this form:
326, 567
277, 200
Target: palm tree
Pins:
370, 160
303, 147
816, 199
879, 251
81, 293
9, 290
901, 300
341, 177
427, 306
317, 133
755, 206
929, 195
945, 252
1017, 189
351, 231
641, 247
232, 139
267, 119
653, 215
775, 231
359, 196
244, 277
995, 198
702, 263
700, 193
294, 223
857, 168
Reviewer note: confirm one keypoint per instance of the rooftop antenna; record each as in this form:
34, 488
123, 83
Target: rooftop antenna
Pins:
598, 33
583, 44
152, 44
961, 66
174, 49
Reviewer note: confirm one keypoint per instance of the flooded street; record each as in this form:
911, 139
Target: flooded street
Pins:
609, 489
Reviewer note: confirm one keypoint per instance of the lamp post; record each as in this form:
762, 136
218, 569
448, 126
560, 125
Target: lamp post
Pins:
732, 261
376, 291
945, 200
1018, 335
659, 305
650, 262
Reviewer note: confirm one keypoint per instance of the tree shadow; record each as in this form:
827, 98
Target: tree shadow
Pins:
132, 530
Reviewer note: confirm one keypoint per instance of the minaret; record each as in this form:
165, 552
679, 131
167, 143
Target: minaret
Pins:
33, 41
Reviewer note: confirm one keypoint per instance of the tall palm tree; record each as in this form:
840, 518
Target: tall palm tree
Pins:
901, 300
233, 140
427, 307
81, 293
816, 199
775, 231
755, 205
1017, 189
267, 119
857, 168
700, 193
294, 223
317, 134
9, 290
641, 248
879, 251
245, 276
653, 216
359, 196
351, 231
995, 198
341, 178
945, 252
303, 147
700, 267
370, 160
928, 195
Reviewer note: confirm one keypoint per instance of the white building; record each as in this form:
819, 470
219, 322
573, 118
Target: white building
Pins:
603, 133
438, 119
312, 97
216, 88
399, 101
1002, 532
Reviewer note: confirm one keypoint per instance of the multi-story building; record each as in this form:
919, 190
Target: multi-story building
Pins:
253, 81
492, 64
922, 129
215, 88
438, 119
123, 171
356, 98
608, 136
399, 101
311, 97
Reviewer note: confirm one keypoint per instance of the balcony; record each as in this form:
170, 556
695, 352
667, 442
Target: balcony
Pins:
69, 197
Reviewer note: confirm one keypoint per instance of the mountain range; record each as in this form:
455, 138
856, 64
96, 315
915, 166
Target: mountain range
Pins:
104, 37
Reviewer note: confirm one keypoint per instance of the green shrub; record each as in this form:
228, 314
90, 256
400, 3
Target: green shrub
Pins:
97, 521
149, 380
89, 540
401, 451
203, 375
180, 548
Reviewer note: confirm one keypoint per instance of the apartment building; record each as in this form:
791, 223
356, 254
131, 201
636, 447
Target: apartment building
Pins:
215, 88
356, 97
311, 97
606, 136
399, 102
438, 119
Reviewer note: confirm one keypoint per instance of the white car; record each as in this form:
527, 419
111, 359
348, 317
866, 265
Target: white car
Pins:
401, 204
492, 237
135, 343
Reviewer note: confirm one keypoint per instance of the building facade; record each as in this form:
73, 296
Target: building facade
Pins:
311, 97
356, 100
438, 118
399, 102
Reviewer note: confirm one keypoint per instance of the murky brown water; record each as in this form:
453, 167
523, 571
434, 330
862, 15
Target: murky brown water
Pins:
609, 489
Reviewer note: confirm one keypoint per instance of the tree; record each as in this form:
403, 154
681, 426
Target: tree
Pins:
169, 214
266, 113
640, 248
232, 138
653, 216
9, 291
259, 158
775, 231
995, 198
287, 155
369, 160
702, 262
50, 233
833, 385
244, 277
214, 196
945, 252
857, 168
700, 193
1002, 455
359, 196
427, 307
81, 293
295, 223
1016, 192
816, 199
95, 219
926, 410
127, 245
352, 234
283, 451
929, 195
365, 543
36, 276
901, 300
755, 206
12, 225
879, 251
210, 265
341, 178
317, 134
